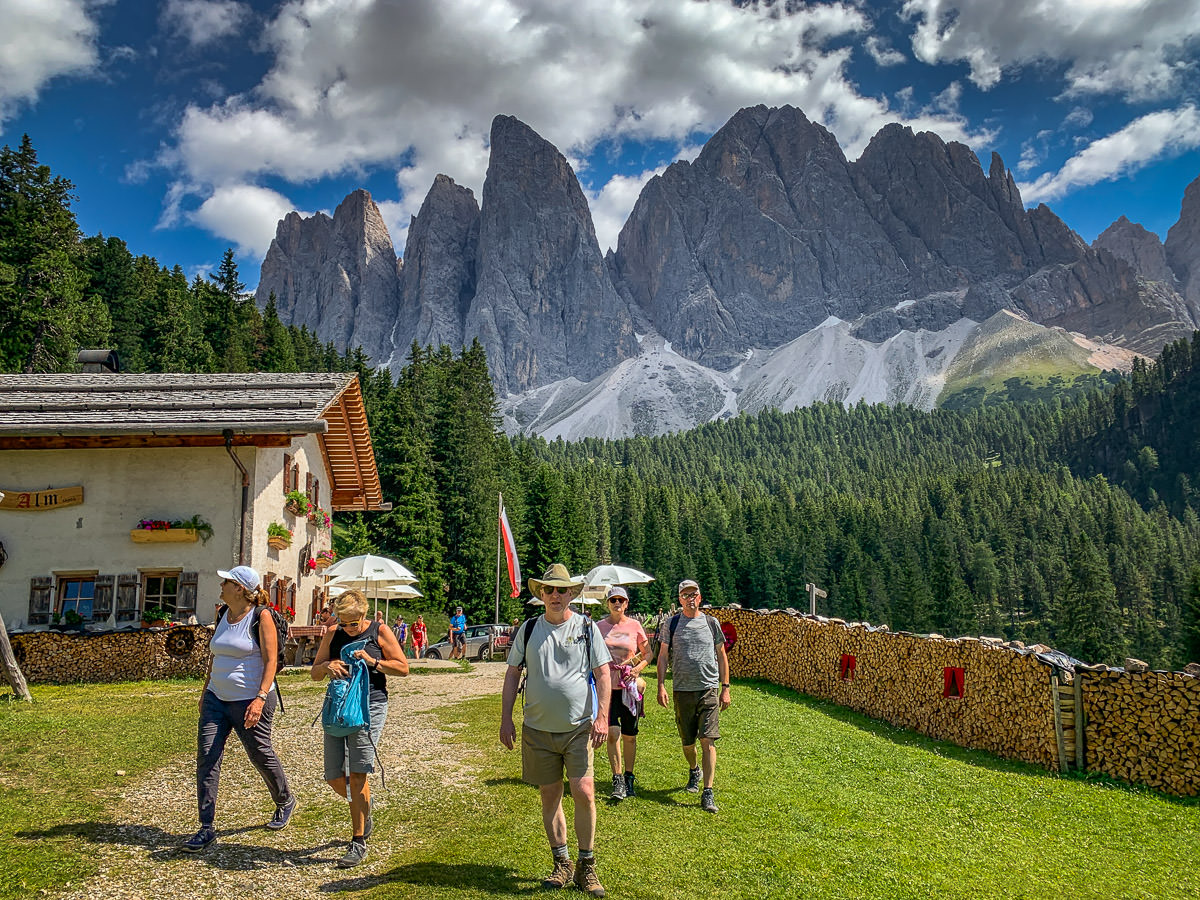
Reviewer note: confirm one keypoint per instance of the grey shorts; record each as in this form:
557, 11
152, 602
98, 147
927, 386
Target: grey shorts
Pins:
698, 714
355, 753
544, 754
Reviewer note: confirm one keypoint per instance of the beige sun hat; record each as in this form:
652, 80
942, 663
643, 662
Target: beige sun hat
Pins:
557, 576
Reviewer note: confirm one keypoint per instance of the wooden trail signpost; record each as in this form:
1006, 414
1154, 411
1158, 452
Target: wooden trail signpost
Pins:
813, 593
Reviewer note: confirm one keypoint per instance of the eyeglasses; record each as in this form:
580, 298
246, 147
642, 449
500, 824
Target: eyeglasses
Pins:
552, 589
692, 595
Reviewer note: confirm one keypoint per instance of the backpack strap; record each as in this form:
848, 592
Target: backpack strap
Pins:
671, 629
528, 629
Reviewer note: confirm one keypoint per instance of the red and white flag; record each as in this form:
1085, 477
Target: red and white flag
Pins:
510, 554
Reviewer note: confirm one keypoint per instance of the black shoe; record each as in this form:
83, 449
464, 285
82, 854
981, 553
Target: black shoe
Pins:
618, 788
199, 840
283, 814
629, 789
707, 802
355, 854
693, 785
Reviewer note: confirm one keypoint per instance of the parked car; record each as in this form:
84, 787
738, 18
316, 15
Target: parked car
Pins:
479, 642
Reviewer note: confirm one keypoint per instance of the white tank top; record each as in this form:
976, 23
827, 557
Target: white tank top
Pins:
237, 667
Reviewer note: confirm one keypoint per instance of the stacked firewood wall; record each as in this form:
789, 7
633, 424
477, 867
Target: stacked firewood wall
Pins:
1000, 701
52, 657
1144, 727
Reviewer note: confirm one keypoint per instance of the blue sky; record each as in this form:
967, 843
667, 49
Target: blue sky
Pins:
191, 125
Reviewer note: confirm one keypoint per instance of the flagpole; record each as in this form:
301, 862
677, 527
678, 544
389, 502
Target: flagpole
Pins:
499, 550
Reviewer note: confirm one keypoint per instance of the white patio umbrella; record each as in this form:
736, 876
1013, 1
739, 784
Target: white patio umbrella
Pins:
599, 579
610, 574
399, 592
369, 574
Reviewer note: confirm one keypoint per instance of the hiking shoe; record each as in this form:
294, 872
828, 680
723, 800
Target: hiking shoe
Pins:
560, 876
629, 790
355, 854
585, 878
693, 785
707, 803
199, 840
283, 814
618, 788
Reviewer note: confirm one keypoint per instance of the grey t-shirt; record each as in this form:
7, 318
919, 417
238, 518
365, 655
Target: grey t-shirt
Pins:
558, 697
694, 652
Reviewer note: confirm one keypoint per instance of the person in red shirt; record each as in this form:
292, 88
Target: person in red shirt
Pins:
419, 637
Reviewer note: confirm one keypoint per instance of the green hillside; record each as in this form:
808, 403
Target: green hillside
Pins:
1012, 359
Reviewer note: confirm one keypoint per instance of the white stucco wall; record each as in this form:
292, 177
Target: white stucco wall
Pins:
123, 486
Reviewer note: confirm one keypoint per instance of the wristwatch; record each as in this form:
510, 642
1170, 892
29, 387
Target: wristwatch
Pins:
261, 695
725, 685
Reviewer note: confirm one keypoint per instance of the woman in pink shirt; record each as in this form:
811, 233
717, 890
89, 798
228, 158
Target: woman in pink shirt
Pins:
626, 641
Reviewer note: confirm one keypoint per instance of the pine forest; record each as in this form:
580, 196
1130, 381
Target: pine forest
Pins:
1069, 520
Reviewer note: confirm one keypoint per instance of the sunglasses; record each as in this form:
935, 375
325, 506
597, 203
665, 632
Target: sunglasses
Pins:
551, 589
617, 601
689, 596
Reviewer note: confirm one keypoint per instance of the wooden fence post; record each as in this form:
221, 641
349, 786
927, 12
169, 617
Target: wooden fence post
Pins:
12, 672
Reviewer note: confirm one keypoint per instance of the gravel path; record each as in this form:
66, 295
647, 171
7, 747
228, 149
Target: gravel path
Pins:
137, 849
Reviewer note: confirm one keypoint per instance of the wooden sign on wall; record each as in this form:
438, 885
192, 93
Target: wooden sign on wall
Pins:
56, 498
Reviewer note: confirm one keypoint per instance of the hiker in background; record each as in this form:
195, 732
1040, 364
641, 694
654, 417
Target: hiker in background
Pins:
356, 754
400, 630
626, 641
458, 634
379, 616
695, 645
238, 695
420, 637
563, 654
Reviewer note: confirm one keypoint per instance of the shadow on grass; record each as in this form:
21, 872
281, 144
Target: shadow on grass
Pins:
459, 876
669, 797
163, 845
981, 759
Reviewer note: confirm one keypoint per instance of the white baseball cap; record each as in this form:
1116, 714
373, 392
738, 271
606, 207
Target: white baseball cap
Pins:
243, 575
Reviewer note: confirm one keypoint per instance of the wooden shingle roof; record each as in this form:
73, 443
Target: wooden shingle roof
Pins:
174, 410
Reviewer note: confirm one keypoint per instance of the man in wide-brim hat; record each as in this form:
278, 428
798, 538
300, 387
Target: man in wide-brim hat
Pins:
567, 689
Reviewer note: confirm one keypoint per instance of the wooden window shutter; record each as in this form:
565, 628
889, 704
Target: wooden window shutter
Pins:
295, 480
185, 598
128, 587
102, 602
316, 492
40, 591
308, 481
287, 472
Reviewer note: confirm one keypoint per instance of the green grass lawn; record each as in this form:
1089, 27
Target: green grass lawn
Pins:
816, 802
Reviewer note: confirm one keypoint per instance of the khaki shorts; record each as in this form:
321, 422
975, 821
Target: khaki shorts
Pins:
544, 754
697, 714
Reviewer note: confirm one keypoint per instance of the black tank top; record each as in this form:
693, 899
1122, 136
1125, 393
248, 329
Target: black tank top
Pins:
371, 634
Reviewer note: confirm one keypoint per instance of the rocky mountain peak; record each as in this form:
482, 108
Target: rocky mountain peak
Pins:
544, 305
1183, 247
1140, 248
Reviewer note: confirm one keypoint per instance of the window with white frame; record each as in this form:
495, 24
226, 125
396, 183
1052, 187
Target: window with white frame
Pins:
162, 589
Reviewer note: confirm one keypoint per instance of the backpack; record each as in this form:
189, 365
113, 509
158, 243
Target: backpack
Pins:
281, 630
347, 706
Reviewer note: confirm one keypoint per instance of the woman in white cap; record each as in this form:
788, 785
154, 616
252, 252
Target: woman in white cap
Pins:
238, 696
626, 641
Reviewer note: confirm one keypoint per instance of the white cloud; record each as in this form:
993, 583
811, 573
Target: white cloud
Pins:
40, 40
1031, 157
1155, 136
1133, 48
414, 85
882, 53
245, 214
201, 22
612, 203
1079, 117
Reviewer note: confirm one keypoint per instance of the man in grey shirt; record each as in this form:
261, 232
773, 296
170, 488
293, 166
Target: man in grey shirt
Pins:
695, 647
565, 718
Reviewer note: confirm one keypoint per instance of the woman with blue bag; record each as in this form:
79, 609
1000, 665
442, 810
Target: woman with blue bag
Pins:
357, 646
